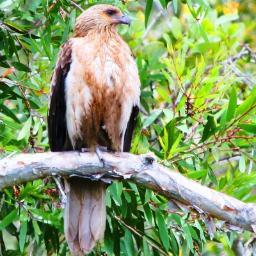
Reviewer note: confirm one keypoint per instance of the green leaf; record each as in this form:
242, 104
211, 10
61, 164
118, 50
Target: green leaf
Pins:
116, 191
201, 231
251, 128
205, 47
227, 18
22, 235
176, 28
191, 8
8, 219
174, 244
36, 228
46, 46
15, 27
163, 3
231, 105
20, 66
212, 176
9, 113
223, 119
175, 145
149, 5
209, 128
197, 174
25, 131
152, 118
203, 33
148, 212
242, 164
163, 231
10, 241
46, 217
129, 245
175, 6
188, 237
154, 51
248, 103
222, 183
146, 250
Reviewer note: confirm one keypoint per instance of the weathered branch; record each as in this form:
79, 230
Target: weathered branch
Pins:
142, 170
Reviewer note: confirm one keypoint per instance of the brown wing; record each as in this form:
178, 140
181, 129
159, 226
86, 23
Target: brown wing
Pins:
130, 128
57, 127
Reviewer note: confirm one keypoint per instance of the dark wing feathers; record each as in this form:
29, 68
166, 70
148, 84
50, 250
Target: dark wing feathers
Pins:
129, 130
57, 128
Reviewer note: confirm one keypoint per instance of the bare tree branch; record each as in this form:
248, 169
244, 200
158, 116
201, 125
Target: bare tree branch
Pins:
142, 170
231, 63
77, 5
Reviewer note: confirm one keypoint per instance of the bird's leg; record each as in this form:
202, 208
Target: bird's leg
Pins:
98, 151
102, 148
62, 192
84, 150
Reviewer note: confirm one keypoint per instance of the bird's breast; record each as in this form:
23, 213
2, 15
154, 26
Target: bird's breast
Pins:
102, 85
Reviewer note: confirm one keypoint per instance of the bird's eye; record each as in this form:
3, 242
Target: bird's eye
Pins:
111, 12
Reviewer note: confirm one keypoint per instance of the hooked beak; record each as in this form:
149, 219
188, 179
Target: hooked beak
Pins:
124, 20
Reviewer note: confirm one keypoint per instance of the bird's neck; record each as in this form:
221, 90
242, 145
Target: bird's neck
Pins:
99, 31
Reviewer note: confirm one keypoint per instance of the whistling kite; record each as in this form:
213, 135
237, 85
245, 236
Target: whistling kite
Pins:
94, 102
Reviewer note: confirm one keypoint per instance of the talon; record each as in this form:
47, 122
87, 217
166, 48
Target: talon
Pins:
98, 152
63, 200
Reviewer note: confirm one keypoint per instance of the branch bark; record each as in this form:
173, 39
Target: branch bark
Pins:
140, 169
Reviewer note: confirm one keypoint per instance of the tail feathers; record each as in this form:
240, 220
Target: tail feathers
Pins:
85, 215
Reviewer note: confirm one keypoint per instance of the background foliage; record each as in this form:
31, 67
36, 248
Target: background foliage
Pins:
197, 70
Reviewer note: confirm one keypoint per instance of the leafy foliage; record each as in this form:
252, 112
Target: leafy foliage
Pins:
198, 101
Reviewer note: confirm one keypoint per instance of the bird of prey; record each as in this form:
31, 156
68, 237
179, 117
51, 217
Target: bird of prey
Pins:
94, 102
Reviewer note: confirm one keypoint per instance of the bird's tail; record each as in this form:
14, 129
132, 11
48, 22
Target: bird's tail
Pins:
85, 214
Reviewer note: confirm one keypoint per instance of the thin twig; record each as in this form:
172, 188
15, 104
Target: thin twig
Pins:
62, 192
77, 5
160, 12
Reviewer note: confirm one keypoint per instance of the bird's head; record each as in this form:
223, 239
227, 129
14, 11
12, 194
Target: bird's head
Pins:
98, 17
